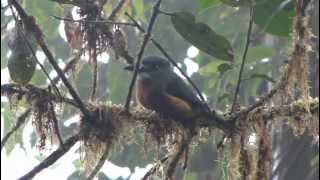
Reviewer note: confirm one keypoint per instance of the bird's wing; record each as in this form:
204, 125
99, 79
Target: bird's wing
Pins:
178, 88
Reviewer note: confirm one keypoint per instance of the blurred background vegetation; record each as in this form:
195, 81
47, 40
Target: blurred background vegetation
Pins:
295, 157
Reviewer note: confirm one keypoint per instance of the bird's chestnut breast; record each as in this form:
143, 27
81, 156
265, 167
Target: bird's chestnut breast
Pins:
144, 93
155, 98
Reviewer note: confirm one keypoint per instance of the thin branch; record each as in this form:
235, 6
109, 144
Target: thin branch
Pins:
243, 59
71, 63
15, 89
165, 13
262, 100
183, 148
116, 10
161, 49
99, 164
52, 158
94, 74
94, 22
21, 120
30, 24
4, 27
144, 44
154, 168
55, 123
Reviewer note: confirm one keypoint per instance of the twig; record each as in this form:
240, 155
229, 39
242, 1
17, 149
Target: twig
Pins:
4, 7
153, 168
144, 43
30, 23
11, 89
243, 60
21, 119
71, 63
4, 27
165, 13
94, 74
99, 164
55, 123
94, 22
261, 100
183, 148
52, 158
116, 10
161, 49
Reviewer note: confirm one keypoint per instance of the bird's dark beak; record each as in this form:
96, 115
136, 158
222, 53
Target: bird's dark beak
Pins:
131, 68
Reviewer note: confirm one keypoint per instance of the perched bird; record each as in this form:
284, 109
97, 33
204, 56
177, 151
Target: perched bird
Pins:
160, 89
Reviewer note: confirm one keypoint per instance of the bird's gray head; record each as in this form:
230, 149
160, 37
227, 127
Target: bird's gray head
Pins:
154, 68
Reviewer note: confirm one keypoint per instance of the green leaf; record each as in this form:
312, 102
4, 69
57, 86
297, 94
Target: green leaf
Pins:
21, 67
263, 76
202, 36
275, 16
211, 68
204, 4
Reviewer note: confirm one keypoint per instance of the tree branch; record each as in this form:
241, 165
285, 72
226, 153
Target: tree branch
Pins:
29, 90
99, 164
71, 62
93, 22
144, 44
154, 168
52, 158
243, 59
20, 120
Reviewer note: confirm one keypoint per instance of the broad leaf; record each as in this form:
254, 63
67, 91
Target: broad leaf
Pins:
210, 68
202, 36
275, 16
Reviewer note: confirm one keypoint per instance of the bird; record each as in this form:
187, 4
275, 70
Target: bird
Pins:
160, 89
